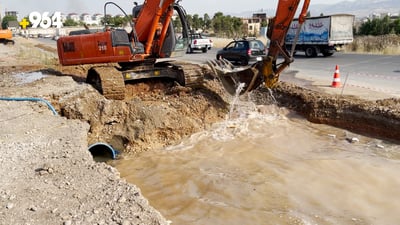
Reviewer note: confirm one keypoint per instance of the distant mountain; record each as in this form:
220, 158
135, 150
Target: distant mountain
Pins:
359, 8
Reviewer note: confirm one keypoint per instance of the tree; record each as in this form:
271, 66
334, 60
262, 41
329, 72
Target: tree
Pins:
396, 26
119, 21
217, 22
70, 23
207, 21
196, 22
6, 19
237, 26
189, 19
220, 24
264, 23
107, 19
379, 26
177, 24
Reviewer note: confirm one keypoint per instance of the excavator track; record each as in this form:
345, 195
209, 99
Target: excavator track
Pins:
193, 74
108, 80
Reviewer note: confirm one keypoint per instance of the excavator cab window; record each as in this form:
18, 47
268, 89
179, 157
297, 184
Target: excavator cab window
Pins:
120, 37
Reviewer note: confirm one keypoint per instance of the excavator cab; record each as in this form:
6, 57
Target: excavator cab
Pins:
172, 45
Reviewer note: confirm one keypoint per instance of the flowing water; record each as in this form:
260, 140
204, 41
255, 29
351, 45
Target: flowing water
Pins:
25, 78
268, 166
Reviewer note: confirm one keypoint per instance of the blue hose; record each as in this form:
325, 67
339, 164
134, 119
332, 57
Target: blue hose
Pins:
32, 100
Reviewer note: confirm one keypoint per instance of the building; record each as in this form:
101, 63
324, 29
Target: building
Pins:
11, 13
254, 24
74, 16
97, 17
86, 18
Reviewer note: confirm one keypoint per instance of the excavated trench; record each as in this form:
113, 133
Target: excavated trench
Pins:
379, 119
156, 114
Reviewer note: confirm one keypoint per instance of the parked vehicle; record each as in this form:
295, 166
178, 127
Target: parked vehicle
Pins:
198, 42
243, 51
324, 34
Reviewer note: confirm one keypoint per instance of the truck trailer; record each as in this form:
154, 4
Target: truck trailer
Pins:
323, 34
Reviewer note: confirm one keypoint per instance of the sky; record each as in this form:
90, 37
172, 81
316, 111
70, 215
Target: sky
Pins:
25, 7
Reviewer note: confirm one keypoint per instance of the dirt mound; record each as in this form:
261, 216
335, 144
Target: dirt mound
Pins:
153, 115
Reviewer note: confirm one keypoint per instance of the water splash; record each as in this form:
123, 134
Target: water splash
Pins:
271, 94
26, 78
235, 99
243, 113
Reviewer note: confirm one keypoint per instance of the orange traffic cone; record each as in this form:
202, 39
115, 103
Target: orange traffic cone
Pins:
336, 78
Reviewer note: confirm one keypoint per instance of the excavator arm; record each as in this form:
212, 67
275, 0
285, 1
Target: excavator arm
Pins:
277, 31
267, 70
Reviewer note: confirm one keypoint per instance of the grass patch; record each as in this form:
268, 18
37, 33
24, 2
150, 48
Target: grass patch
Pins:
384, 44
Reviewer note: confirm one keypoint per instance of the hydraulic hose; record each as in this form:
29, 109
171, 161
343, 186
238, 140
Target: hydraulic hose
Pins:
32, 100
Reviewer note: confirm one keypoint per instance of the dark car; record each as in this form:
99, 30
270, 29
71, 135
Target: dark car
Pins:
243, 51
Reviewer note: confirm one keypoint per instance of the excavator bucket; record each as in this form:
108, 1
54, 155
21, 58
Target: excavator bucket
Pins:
231, 77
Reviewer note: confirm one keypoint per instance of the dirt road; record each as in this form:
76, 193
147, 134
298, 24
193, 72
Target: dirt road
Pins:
49, 176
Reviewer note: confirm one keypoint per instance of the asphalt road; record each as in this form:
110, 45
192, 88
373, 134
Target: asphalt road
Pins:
375, 72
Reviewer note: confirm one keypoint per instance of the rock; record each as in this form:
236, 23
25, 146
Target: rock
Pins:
9, 206
353, 140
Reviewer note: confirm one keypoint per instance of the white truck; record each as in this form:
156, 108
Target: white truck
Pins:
197, 42
324, 34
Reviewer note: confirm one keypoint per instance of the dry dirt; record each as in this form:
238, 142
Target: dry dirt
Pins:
48, 175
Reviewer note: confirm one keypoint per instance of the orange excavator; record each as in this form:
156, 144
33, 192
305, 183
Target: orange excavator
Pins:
6, 36
119, 55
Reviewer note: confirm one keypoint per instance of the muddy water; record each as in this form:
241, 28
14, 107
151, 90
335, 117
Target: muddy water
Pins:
271, 167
